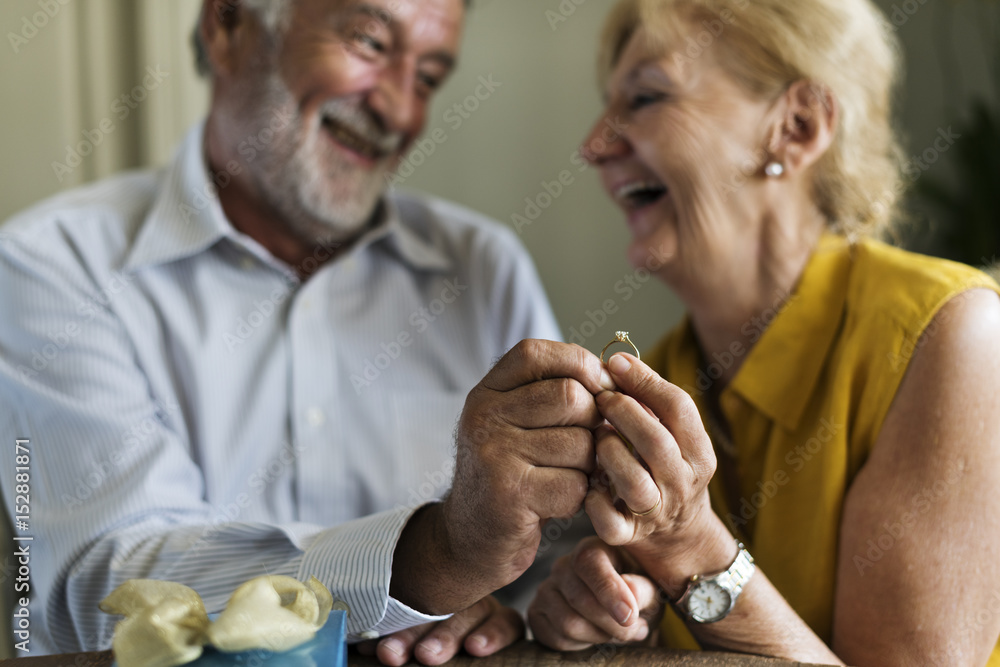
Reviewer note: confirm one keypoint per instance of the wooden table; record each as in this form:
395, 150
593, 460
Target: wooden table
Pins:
522, 654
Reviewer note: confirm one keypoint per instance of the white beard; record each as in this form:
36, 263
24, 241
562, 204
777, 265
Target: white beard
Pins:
317, 190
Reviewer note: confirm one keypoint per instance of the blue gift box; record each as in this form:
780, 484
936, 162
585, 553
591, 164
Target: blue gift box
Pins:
327, 649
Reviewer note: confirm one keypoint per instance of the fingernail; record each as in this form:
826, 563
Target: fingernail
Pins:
479, 641
606, 381
432, 646
622, 612
394, 646
619, 364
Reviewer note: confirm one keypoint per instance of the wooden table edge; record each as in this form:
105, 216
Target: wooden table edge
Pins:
519, 655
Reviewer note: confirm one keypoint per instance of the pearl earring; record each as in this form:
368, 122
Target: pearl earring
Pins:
774, 169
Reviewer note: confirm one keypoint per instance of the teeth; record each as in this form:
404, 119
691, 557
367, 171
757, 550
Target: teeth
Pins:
637, 190
351, 140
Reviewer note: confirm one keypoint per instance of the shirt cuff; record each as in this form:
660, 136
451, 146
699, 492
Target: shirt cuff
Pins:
399, 617
354, 560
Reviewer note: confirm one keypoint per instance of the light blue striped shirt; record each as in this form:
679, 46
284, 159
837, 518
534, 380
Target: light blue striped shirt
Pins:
197, 414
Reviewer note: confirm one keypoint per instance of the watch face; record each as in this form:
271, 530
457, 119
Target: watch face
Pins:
708, 602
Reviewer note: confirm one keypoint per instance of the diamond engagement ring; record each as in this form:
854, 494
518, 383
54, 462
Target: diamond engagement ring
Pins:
620, 337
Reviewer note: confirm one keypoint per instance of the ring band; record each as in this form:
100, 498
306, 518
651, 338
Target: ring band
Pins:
621, 337
647, 512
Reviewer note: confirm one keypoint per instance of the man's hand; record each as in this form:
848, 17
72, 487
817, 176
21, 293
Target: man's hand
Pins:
482, 629
595, 595
525, 450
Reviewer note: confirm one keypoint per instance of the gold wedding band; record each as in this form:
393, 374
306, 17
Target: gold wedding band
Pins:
647, 512
621, 337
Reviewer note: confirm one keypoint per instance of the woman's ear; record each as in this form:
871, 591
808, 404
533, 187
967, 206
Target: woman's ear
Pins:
807, 126
222, 29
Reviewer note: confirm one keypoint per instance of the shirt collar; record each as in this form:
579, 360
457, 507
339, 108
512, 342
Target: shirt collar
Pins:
783, 367
186, 218
398, 226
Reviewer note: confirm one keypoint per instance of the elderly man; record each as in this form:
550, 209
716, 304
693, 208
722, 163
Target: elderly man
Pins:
253, 360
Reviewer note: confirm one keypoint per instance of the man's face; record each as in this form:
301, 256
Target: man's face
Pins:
344, 98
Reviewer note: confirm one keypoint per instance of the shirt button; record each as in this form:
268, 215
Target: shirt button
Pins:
247, 262
315, 417
369, 634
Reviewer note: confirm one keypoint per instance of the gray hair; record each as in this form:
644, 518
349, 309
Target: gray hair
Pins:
274, 15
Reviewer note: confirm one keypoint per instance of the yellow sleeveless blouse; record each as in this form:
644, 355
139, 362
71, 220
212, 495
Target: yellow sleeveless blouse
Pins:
820, 370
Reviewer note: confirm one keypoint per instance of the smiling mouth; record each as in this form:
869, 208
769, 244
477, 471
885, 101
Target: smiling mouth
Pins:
353, 141
640, 194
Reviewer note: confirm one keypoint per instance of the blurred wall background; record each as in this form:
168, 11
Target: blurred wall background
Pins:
117, 74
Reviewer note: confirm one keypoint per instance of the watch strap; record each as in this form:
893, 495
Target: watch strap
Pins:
733, 579
738, 574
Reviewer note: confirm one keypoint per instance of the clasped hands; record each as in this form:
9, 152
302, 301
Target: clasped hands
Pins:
540, 438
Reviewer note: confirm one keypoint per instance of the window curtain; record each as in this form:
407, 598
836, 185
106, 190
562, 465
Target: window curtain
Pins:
92, 87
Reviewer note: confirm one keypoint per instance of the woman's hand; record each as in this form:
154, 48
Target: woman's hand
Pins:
594, 597
655, 501
482, 629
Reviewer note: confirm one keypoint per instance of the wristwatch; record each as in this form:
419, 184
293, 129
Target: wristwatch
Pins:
710, 597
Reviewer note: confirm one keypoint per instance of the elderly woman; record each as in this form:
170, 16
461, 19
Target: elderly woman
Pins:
825, 496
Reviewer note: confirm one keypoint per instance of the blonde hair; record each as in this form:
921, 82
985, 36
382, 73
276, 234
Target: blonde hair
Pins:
994, 271
844, 46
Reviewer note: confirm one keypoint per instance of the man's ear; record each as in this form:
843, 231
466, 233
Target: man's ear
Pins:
807, 126
223, 28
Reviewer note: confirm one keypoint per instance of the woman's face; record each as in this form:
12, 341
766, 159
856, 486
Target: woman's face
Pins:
687, 158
